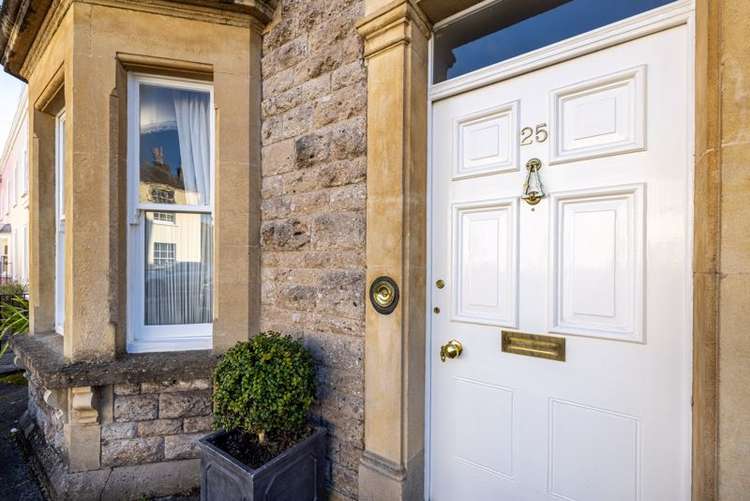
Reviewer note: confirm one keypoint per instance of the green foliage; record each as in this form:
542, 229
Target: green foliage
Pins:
12, 289
14, 320
265, 386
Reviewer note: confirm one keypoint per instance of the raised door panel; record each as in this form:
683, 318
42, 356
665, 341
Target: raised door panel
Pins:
597, 263
485, 262
486, 142
599, 117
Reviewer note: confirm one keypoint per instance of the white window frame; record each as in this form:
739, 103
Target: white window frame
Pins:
165, 253
60, 222
143, 338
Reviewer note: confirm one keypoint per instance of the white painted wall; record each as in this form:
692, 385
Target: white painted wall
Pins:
14, 197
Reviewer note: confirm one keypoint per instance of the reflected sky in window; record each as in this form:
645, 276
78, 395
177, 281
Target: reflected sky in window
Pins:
513, 27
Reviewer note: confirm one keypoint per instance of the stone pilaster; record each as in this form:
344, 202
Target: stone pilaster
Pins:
392, 466
82, 430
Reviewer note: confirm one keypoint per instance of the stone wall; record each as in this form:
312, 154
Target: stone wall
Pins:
313, 208
147, 430
49, 420
155, 422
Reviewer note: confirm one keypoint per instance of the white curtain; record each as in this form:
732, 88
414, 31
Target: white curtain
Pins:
179, 286
193, 129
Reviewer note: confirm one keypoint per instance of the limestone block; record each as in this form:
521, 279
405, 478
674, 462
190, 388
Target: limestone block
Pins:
184, 404
116, 431
289, 234
136, 408
183, 446
132, 451
159, 427
339, 230
170, 386
82, 442
127, 389
197, 424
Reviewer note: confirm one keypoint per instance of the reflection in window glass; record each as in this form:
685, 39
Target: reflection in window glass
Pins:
179, 276
509, 28
174, 146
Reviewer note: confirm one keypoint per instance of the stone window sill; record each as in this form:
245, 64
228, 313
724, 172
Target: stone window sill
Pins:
42, 356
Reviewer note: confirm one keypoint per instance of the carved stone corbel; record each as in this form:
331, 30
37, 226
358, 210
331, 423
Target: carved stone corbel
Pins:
83, 405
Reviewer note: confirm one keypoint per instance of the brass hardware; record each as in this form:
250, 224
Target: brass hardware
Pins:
533, 191
534, 345
452, 349
436, 309
440, 284
384, 295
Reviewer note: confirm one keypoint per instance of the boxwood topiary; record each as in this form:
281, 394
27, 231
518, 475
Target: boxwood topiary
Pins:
265, 387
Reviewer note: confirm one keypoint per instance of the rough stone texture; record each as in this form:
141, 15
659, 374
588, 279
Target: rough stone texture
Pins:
136, 408
116, 431
132, 451
182, 446
184, 404
48, 419
313, 207
195, 424
159, 427
172, 386
42, 356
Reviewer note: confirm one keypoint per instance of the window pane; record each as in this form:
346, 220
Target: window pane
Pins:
175, 146
179, 275
510, 28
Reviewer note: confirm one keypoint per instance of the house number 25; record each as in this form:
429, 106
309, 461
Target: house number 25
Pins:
529, 135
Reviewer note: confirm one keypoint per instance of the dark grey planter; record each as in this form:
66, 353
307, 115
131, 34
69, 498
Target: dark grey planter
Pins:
297, 474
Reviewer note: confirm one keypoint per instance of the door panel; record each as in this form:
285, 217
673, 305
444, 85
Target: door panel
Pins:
486, 262
602, 261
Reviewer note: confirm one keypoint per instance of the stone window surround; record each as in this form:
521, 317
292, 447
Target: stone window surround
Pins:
237, 256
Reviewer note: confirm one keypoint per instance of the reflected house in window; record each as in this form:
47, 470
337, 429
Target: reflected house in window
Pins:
177, 246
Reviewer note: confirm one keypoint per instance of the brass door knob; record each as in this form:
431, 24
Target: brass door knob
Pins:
452, 349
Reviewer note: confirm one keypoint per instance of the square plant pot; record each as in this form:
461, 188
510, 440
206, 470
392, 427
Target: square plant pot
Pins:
297, 474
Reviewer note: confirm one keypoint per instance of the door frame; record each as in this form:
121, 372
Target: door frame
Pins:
681, 12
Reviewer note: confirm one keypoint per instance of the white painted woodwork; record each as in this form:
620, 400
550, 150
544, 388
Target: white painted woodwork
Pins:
599, 117
60, 222
486, 262
597, 262
487, 142
604, 261
142, 338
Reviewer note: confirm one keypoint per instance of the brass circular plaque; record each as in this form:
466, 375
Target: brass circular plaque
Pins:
384, 295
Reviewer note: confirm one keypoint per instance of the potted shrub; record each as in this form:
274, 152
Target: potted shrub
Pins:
264, 449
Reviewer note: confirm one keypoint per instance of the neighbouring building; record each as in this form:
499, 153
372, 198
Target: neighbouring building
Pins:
512, 233
14, 199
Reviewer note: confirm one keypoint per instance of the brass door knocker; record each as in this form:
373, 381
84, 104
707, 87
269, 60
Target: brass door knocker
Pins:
533, 191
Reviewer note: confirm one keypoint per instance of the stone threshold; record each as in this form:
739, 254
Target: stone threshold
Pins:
42, 355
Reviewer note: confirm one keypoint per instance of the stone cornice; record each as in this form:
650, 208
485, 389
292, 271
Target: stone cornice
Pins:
391, 25
28, 25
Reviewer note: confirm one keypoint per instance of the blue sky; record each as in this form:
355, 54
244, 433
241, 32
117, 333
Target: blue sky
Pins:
10, 91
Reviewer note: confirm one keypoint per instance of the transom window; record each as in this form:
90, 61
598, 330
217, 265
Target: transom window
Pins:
170, 158
504, 29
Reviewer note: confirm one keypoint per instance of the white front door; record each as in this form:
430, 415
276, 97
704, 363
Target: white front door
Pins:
60, 223
602, 262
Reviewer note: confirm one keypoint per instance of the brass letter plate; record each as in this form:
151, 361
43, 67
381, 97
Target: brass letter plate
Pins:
534, 345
